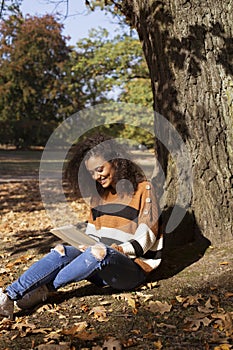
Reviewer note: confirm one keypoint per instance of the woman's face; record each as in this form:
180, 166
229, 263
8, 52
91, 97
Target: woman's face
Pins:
101, 171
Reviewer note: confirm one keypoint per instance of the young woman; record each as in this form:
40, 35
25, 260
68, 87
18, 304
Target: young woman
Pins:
123, 220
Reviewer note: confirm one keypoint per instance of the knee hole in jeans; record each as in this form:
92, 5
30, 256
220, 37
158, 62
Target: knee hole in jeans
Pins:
99, 251
60, 249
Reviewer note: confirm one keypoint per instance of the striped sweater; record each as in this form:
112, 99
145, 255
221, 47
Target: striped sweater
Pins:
131, 223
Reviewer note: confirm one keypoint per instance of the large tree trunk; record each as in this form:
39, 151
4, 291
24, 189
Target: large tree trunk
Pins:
188, 46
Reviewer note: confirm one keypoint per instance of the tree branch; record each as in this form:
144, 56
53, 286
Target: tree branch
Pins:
139, 77
2, 7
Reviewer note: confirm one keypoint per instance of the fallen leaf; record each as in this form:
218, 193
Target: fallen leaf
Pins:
192, 300
218, 339
78, 327
192, 324
149, 335
5, 324
99, 313
228, 294
223, 347
112, 344
147, 297
84, 307
4, 270
152, 285
227, 322
214, 298
213, 288
20, 260
14, 336
165, 325
41, 330
105, 302
55, 335
132, 301
158, 345
158, 306
87, 335
129, 342
208, 308
180, 299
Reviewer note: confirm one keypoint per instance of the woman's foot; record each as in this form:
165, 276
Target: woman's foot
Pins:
33, 298
6, 305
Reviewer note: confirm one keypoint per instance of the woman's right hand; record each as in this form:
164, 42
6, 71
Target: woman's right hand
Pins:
82, 247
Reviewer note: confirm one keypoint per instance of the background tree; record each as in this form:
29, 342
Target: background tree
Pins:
43, 81
114, 68
8, 7
33, 80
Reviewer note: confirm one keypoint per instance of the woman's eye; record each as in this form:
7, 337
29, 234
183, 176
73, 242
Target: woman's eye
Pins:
99, 170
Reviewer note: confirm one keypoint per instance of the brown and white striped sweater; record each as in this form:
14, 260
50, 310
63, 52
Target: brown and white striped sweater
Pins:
129, 222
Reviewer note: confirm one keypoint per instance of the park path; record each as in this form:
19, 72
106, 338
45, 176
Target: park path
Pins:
18, 166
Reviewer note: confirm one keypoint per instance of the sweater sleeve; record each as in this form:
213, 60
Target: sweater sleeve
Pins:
145, 236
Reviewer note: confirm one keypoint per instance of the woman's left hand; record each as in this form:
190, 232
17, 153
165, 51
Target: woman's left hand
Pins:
117, 247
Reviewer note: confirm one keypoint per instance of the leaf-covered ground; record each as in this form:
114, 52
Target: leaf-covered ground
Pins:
191, 310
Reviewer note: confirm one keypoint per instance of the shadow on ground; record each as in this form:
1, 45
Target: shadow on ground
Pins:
182, 247
41, 241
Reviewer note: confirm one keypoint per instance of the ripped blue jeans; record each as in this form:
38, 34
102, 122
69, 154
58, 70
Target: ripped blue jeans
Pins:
99, 264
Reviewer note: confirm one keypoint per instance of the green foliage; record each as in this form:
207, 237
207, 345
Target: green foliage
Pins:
115, 69
43, 81
120, 120
26, 133
109, 7
106, 64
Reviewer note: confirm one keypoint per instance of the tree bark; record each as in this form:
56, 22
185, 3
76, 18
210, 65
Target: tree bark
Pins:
188, 46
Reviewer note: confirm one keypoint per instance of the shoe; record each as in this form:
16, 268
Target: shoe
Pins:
33, 298
6, 305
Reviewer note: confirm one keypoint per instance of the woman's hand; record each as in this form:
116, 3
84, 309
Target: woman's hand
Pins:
117, 247
82, 247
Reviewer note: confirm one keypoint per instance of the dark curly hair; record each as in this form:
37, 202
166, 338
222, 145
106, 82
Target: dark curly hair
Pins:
127, 173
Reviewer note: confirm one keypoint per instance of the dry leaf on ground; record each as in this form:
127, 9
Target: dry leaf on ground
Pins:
192, 324
112, 344
99, 313
158, 306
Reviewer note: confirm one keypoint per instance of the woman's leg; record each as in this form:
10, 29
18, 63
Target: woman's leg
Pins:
116, 269
43, 271
120, 272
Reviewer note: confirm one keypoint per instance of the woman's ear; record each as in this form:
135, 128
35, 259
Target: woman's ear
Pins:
114, 162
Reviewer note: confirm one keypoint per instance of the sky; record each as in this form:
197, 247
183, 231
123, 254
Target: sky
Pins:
78, 22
